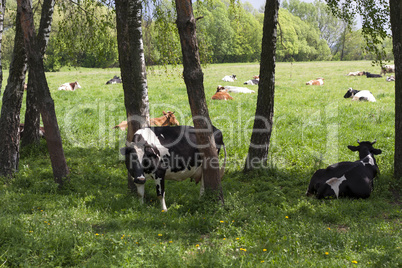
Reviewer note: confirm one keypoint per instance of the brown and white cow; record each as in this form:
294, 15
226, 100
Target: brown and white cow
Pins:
318, 82
70, 86
168, 119
358, 73
387, 69
221, 94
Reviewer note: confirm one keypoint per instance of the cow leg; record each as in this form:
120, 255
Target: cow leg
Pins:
160, 188
202, 188
141, 191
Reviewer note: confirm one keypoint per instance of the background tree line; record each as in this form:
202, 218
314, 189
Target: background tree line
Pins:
226, 33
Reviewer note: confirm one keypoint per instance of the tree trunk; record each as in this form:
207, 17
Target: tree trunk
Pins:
193, 77
45, 103
262, 129
396, 27
10, 110
32, 116
2, 11
132, 67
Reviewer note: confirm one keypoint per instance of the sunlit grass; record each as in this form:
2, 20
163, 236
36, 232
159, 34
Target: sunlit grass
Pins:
266, 219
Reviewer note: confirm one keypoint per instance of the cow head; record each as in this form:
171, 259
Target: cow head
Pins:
350, 93
141, 158
171, 118
365, 148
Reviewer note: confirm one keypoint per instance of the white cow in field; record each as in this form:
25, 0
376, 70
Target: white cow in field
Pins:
229, 78
238, 89
70, 86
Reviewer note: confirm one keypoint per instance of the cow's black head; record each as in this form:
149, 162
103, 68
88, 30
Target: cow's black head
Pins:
365, 148
350, 93
141, 158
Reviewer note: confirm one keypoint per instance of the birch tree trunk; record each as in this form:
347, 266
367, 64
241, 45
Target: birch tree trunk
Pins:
396, 27
32, 115
262, 129
193, 77
132, 67
10, 109
45, 103
2, 11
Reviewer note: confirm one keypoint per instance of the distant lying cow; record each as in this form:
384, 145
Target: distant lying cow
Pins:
238, 89
363, 95
252, 82
167, 153
168, 119
390, 78
229, 78
70, 86
318, 82
387, 69
347, 179
114, 80
221, 94
370, 75
356, 73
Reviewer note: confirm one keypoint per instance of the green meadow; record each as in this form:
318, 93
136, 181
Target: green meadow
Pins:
266, 220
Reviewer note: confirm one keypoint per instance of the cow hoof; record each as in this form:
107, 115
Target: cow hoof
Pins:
140, 180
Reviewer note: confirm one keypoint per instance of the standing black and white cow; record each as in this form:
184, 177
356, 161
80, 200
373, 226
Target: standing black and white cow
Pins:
166, 153
347, 179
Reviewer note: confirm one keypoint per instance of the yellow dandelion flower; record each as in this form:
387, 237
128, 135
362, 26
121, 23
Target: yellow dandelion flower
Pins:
159, 234
197, 245
96, 234
329, 228
262, 261
264, 249
355, 262
224, 238
326, 253
222, 221
163, 210
286, 217
237, 238
170, 241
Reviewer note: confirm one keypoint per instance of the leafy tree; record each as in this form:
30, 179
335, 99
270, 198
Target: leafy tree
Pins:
32, 115
34, 51
377, 17
299, 40
193, 77
10, 109
262, 129
132, 67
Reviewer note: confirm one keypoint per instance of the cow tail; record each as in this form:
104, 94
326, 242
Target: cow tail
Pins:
222, 169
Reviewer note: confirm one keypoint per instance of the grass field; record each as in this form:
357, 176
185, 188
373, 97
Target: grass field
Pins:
267, 221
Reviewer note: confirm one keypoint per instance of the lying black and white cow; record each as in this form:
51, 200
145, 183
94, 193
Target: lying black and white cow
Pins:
166, 153
114, 80
363, 95
347, 179
252, 82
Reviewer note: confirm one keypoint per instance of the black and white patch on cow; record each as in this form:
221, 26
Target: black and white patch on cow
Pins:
347, 179
166, 153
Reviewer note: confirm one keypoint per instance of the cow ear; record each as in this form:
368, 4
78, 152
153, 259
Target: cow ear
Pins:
353, 148
377, 151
